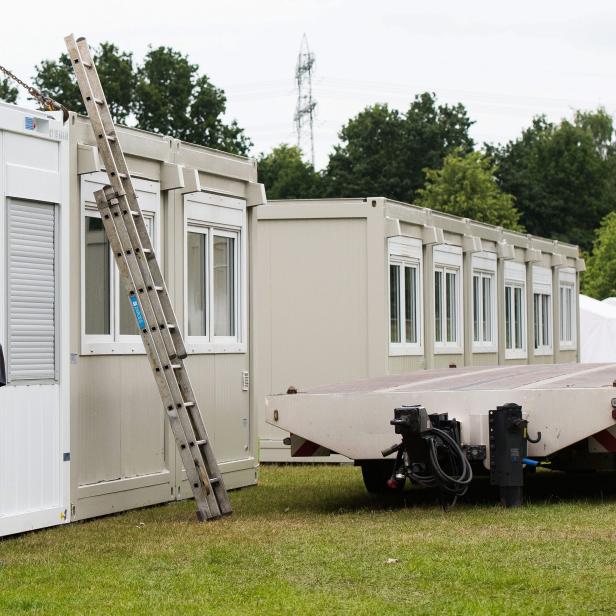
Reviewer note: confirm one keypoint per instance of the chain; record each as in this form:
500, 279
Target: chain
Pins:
46, 102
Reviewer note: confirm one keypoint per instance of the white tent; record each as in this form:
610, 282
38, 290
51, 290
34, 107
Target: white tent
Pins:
597, 330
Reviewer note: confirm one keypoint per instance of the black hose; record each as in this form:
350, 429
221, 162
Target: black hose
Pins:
456, 483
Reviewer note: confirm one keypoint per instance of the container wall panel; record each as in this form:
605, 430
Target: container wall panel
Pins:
445, 361
30, 457
406, 363
312, 300
484, 359
119, 420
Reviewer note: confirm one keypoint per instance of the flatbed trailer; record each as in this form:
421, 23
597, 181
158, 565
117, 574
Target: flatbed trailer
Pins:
504, 419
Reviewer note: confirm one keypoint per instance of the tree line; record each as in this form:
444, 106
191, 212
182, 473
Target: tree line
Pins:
556, 179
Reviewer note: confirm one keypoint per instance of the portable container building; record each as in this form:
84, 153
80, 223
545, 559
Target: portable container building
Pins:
355, 288
34, 319
106, 441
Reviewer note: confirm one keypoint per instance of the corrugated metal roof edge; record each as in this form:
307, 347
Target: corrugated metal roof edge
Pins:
164, 136
523, 237
245, 166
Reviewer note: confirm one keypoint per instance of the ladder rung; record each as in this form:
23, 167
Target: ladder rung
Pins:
135, 213
159, 289
170, 325
123, 176
99, 101
87, 64
215, 481
176, 366
147, 251
111, 138
189, 404
202, 442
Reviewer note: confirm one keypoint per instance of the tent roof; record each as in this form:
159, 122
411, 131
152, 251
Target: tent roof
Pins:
606, 310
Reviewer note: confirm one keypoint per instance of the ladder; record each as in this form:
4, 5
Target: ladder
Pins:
134, 255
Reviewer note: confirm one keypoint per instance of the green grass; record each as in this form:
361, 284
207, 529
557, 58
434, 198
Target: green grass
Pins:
309, 540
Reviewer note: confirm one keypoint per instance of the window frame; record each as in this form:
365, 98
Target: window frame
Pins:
542, 286
484, 267
567, 280
405, 252
205, 231
113, 343
222, 216
235, 235
515, 278
448, 260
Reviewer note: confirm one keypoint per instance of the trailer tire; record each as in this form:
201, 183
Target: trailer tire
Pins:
376, 473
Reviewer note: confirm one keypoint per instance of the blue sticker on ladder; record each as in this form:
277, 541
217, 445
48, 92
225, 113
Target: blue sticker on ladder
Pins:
137, 310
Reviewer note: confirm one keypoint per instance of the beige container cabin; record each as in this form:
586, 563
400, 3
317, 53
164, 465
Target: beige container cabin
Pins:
195, 200
354, 288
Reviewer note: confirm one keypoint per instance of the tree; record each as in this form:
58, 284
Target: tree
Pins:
466, 186
171, 98
385, 152
562, 176
8, 93
115, 69
287, 176
165, 94
599, 279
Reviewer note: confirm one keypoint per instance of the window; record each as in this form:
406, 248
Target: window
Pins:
404, 309
542, 310
514, 317
404, 296
215, 318
446, 291
515, 310
447, 298
484, 302
567, 304
196, 271
214, 274
541, 307
483, 317
108, 322
97, 277
224, 285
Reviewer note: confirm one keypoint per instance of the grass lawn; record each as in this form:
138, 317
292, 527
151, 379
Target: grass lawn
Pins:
309, 540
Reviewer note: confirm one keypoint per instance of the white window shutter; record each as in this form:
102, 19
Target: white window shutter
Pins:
31, 291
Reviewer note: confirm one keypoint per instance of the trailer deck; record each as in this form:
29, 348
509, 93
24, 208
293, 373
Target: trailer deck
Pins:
567, 403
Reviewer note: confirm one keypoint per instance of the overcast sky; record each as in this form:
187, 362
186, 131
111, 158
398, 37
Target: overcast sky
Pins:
505, 61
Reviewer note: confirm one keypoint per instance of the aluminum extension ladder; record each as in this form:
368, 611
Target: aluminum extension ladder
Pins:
128, 237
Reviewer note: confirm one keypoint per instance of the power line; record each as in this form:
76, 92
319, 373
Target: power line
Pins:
305, 107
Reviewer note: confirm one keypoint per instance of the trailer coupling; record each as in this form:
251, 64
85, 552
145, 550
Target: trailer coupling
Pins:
431, 453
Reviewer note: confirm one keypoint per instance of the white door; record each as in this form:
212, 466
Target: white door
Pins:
34, 455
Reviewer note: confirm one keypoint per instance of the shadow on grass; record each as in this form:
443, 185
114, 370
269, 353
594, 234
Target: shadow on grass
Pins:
347, 495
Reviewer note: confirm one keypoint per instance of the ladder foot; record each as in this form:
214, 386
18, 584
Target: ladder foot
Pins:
202, 517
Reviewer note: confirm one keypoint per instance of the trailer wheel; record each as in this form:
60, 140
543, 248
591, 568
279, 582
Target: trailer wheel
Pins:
376, 473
